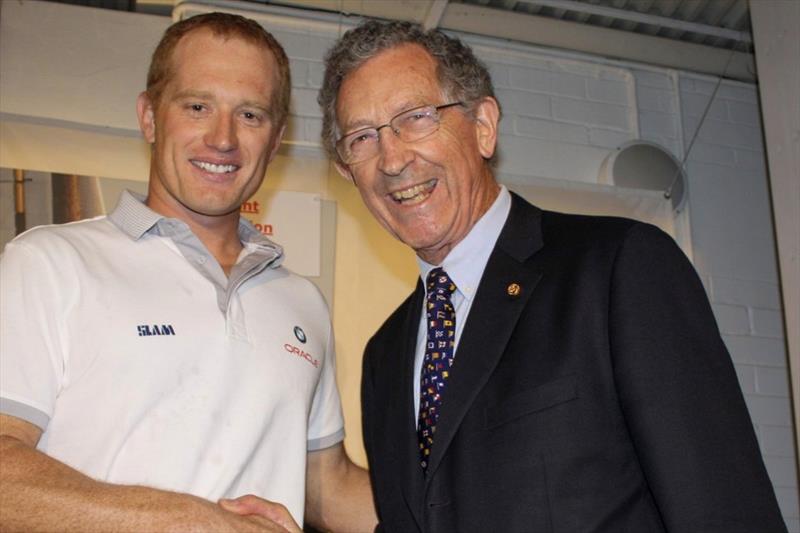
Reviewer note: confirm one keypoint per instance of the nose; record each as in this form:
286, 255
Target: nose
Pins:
221, 133
394, 155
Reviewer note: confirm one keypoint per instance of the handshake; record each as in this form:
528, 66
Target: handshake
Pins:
258, 514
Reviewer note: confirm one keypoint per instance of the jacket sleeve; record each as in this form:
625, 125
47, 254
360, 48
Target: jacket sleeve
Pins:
680, 396
367, 403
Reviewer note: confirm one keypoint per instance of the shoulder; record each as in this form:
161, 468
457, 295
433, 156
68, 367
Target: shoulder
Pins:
601, 236
60, 241
574, 229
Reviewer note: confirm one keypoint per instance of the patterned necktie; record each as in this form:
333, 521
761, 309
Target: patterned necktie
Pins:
439, 350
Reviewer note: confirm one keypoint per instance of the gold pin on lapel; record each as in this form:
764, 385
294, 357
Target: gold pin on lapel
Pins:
513, 289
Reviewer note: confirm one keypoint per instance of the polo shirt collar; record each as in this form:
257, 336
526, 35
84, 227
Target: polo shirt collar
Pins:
135, 219
132, 216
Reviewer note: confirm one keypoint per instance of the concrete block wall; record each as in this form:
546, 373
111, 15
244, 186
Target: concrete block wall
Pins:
560, 117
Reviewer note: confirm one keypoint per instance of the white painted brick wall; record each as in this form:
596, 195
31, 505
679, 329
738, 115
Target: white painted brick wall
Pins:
753, 293
744, 113
551, 131
726, 134
767, 323
597, 113
776, 440
772, 381
610, 139
653, 99
747, 377
760, 351
695, 105
525, 103
713, 153
732, 319
608, 91
750, 159
304, 103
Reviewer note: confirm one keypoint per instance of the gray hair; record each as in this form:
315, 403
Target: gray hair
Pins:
461, 75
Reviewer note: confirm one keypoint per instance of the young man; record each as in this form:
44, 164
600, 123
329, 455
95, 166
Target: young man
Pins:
144, 374
550, 372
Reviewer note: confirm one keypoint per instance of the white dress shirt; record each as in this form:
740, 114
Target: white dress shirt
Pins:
465, 265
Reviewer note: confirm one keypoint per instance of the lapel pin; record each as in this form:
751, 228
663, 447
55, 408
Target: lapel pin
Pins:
513, 289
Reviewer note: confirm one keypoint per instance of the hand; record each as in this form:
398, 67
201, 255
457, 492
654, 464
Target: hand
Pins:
253, 505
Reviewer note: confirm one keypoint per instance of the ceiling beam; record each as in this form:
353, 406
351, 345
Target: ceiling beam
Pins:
435, 14
596, 40
644, 18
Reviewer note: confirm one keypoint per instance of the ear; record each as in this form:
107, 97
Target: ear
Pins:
487, 116
345, 171
277, 143
146, 115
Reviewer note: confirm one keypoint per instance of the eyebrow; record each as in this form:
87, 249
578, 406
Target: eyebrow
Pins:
363, 124
205, 95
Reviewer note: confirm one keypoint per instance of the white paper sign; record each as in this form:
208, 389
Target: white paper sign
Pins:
291, 219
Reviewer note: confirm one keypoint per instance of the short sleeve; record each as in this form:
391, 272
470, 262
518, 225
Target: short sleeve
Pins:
31, 355
325, 422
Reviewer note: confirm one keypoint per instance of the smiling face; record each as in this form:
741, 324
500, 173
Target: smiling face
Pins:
211, 130
431, 192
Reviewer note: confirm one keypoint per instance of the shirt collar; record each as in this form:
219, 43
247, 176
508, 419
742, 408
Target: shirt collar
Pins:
135, 219
467, 260
132, 216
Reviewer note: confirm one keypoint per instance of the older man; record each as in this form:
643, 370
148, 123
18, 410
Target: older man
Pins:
144, 374
550, 372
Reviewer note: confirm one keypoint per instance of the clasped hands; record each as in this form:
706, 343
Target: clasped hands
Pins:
270, 516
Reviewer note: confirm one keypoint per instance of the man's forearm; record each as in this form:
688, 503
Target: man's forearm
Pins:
353, 508
338, 493
39, 493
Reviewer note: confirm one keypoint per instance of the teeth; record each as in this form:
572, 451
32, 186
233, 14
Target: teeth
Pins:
417, 192
211, 167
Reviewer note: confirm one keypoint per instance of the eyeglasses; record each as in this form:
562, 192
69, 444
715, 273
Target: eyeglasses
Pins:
410, 126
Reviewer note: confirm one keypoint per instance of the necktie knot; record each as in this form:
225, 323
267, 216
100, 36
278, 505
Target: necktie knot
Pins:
440, 283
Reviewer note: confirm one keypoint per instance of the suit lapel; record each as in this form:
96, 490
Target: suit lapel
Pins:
409, 470
491, 321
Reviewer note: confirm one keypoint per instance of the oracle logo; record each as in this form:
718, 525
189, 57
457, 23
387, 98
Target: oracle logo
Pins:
294, 350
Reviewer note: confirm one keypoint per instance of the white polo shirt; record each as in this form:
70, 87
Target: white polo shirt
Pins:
123, 340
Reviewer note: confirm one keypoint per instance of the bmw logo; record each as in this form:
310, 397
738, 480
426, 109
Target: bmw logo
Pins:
300, 334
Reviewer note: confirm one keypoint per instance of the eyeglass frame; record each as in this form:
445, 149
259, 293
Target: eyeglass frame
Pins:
396, 131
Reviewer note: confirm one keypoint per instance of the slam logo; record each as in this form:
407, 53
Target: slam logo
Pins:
146, 330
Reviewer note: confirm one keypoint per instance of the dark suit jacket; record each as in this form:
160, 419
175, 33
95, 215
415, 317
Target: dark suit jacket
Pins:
599, 399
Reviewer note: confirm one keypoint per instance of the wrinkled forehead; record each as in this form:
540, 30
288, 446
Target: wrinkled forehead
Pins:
394, 80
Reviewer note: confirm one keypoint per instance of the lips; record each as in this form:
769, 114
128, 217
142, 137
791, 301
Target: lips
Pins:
414, 194
214, 168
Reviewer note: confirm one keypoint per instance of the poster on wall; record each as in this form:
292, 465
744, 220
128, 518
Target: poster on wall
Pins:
291, 219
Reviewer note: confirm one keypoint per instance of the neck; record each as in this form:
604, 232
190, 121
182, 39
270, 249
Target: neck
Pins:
481, 204
219, 234
221, 240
